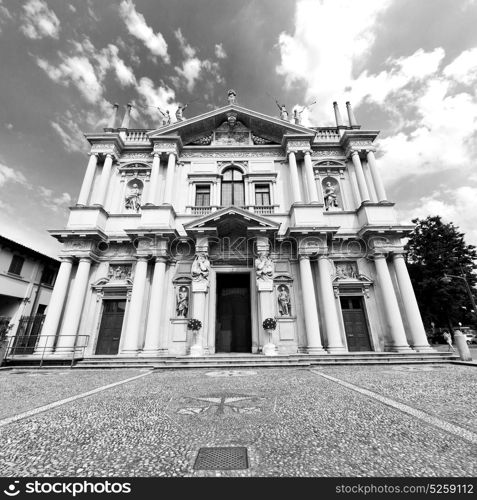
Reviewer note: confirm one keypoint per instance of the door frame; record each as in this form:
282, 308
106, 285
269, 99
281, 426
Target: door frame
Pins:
366, 320
213, 305
116, 299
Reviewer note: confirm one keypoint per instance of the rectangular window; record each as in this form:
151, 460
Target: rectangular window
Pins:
202, 195
16, 265
262, 194
48, 276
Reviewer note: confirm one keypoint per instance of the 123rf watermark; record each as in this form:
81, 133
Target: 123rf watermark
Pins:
72, 488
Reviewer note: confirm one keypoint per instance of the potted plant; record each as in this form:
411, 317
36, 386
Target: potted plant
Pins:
195, 325
269, 325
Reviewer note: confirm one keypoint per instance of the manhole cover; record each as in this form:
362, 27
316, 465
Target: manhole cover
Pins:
222, 458
231, 373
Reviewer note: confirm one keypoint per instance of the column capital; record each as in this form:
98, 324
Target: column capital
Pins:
379, 256
68, 259
290, 152
156, 154
161, 258
92, 153
85, 259
303, 256
306, 152
399, 254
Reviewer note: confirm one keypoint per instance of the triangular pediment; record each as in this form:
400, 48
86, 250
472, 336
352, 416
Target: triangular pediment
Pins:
244, 217
217, 128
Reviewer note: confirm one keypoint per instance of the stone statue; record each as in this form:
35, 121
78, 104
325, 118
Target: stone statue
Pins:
284, 304
166, 117
264, 267
331, 199
133, 199
182, 303
119, 273
232, 96
297, 115
200, 267
283, 111
179, 111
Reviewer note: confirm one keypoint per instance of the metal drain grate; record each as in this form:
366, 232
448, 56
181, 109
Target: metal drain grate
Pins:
224, 458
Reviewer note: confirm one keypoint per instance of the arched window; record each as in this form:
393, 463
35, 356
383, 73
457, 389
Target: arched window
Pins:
233, 188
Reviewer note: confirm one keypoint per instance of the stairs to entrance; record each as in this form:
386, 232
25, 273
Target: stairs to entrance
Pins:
236, 360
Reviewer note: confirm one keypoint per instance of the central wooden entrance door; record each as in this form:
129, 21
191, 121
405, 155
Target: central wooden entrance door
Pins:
111, 325
356, 329
233, 326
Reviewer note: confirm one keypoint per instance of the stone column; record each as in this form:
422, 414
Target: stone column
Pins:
310, 179
295, 182
419, 340
104, 180
378, 183
67, 338
133, 328
171, 164
153, 183
391, 306
332, 325
199, 291
88, 180
363, 188
55, 308
156, 333
309, 305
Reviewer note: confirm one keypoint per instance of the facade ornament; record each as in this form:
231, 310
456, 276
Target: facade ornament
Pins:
284, 302
330, 196
328, 152
204, 140
232, 119
346, 270
133, 198
182, 302
264, 267
200, 267
119, 272
232, 96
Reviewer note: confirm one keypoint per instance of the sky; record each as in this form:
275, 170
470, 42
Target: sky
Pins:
409, 68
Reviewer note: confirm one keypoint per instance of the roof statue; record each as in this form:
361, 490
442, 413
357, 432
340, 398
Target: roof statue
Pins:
232, 96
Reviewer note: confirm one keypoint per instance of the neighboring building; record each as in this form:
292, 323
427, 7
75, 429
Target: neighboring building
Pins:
26, 284
232, 217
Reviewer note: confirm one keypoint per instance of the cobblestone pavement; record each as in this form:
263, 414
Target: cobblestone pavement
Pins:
293, 422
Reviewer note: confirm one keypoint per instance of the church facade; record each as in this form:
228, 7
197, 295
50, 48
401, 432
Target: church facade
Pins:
230, 218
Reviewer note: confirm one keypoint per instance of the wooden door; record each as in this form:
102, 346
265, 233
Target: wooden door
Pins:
356, 329
111, 325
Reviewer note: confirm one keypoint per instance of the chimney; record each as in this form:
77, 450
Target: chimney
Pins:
127, 116
352, 119
339, 120
112, 119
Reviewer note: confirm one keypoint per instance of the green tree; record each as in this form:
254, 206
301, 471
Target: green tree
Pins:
436, 249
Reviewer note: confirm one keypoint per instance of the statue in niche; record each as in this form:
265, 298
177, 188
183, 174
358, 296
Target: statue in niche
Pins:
179, 112
182, 302
284, 303
200, 267
346, 270
330, 196
232, 96
264, 267
283, 110
133, 198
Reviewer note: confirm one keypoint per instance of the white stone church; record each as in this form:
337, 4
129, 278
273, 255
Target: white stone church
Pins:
232, 217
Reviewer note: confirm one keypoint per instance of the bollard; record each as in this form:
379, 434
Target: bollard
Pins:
462, 347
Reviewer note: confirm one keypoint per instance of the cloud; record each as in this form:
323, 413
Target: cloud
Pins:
162, 97
219, 51
307, 56
136, 25
8, 174
9, 126
52, 201
78, 71
70, 133
458, 206
39, 21
194, 68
